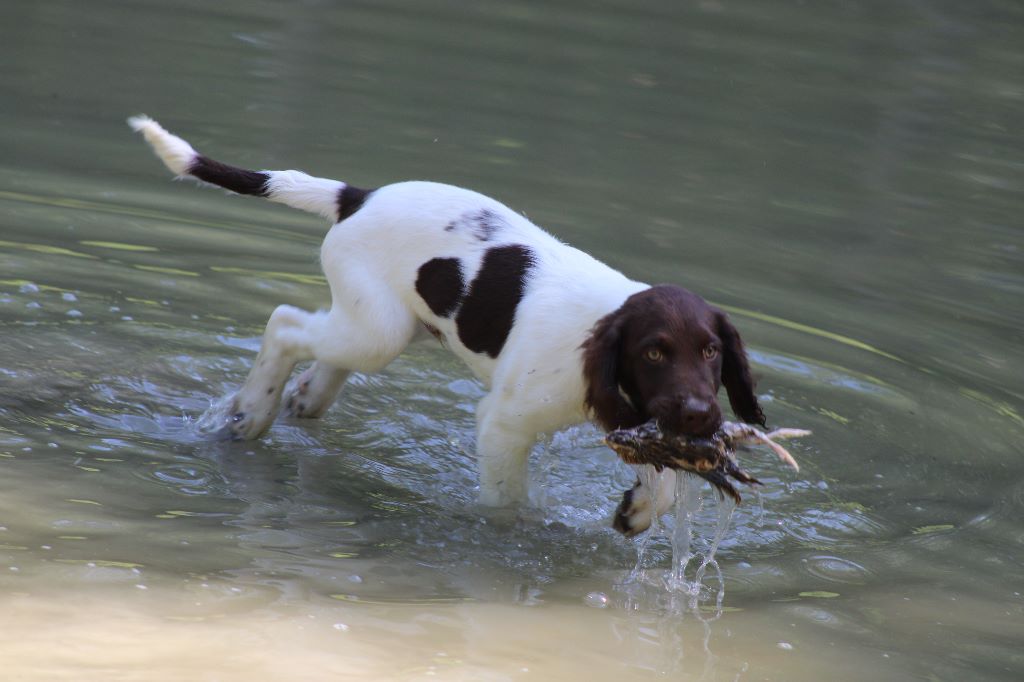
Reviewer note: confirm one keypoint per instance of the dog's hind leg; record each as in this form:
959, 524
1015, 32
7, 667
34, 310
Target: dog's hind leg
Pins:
347, 338
341, 340
288, 339
312, 392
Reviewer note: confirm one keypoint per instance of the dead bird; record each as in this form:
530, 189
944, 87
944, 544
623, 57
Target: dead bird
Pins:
710, 457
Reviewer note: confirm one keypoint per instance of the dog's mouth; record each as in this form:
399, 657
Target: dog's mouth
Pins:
688, 416
678, 426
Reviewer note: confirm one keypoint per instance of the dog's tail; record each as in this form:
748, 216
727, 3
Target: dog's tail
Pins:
332, 199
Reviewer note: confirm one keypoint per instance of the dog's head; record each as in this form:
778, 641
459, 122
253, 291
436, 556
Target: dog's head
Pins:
664, 354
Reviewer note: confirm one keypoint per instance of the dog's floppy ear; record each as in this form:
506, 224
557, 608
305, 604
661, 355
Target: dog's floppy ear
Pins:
736, 378
601, 353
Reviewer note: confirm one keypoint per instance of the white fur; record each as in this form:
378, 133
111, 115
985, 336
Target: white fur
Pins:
172, 150
304, 192
371, 261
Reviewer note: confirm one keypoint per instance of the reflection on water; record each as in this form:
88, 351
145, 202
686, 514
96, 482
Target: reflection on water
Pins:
844, 180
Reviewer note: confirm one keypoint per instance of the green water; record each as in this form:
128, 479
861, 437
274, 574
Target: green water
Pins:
845, 178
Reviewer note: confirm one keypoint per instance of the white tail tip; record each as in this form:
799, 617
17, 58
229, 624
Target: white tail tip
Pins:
176, 154
139, 122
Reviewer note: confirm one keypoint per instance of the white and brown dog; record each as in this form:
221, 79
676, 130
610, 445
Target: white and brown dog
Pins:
555, 336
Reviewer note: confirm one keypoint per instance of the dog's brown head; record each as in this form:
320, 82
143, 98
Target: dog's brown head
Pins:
664, 354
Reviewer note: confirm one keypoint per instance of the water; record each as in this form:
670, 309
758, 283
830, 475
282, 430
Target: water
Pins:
845, 179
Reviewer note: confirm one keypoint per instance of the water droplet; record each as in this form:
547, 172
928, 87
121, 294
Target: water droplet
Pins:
34, 305
341, 626
28, 288
68, 296
598, 600
785, 646
74, 313
355, 579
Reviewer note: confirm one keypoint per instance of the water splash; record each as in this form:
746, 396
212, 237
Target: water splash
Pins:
683, 595
216, 418
688, 503
726, 507
651, 480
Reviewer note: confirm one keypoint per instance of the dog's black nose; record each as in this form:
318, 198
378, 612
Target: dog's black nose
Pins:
700, 417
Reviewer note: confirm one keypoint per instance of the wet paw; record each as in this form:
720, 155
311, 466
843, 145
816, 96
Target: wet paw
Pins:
294, 407
633, 515
240, 426
296, 402
227, 420
303, 400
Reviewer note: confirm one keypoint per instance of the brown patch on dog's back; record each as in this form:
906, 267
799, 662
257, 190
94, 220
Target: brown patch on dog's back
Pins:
483, 224
440, 284
485, 319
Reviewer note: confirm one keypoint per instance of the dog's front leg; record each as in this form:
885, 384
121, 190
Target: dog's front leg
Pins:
503, 453
640, 503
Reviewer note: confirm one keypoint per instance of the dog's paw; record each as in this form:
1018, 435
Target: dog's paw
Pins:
297, 401
633, 515
311, 393
242, 426
230, 420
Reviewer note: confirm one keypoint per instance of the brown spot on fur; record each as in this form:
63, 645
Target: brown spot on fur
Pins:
440, 284
238, 180
485, 319
350, 200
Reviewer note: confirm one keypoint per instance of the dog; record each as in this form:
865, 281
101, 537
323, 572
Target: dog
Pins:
555, 336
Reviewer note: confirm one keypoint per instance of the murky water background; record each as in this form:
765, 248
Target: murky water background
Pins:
845, 178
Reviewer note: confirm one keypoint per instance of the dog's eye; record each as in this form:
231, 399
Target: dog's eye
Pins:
709, 352
654, 355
